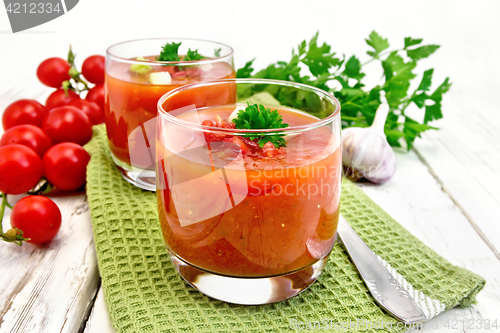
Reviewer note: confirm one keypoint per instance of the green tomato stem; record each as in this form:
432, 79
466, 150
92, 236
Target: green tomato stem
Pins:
18, 239
75, 75
2, 211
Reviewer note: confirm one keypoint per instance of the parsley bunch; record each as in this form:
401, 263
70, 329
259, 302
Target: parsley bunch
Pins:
359, 103
258, 117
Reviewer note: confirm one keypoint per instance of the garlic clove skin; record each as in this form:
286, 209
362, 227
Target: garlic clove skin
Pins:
367, 152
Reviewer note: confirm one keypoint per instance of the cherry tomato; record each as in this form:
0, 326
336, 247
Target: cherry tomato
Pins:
59, 98
93, 69
65, 166
96, 95
53, 71
38, 217
67, 124
29, 136
23, 111
91, 109
20, 169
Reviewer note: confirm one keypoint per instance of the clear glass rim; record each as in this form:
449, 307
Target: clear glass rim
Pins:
230, 131
109, 52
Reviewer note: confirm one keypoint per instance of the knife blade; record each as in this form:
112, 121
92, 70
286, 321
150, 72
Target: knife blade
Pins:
385, 289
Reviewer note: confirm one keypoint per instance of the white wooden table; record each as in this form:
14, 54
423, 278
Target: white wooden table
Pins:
446, 191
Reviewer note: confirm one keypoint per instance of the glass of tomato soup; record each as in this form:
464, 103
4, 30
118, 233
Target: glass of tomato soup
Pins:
248, 186
138, 73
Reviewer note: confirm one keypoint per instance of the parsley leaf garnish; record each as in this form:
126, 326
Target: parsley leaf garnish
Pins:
193, 55
170, 52
318, 66
258, 117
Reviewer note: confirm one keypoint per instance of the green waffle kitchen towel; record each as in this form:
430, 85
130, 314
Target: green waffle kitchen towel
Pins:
144, 293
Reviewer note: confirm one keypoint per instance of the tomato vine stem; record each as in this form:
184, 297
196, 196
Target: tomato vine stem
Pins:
13, 235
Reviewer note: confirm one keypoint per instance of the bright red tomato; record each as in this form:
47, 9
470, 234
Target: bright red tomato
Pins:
67, 124
20, 169
53, 71
59, 98
65, 166
91, 109
29, 136
93, 69
96, 95
38, 217
23, 111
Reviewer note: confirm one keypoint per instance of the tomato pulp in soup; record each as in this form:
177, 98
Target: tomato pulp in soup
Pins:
246, 213
131, 100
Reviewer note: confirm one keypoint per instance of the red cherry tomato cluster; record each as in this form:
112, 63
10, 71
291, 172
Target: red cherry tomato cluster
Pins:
42, 148
70, 86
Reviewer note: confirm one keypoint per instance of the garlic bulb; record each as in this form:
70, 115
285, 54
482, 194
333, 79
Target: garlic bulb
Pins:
366, 152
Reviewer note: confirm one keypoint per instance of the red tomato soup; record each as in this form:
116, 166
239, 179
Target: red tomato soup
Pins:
242, 212
131, 100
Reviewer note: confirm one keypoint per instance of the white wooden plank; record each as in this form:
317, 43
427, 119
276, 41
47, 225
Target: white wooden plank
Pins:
50, 289
99, 321
465, 155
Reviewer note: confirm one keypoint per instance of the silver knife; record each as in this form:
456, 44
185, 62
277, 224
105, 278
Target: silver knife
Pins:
386, 290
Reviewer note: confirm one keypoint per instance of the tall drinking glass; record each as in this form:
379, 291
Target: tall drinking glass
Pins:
135, 81
245, 220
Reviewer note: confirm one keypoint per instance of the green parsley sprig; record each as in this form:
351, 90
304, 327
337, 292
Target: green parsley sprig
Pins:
170, 52
193, 55
359, 103
259, 117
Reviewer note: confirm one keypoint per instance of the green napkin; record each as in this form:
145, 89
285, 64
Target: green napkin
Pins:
144, 293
